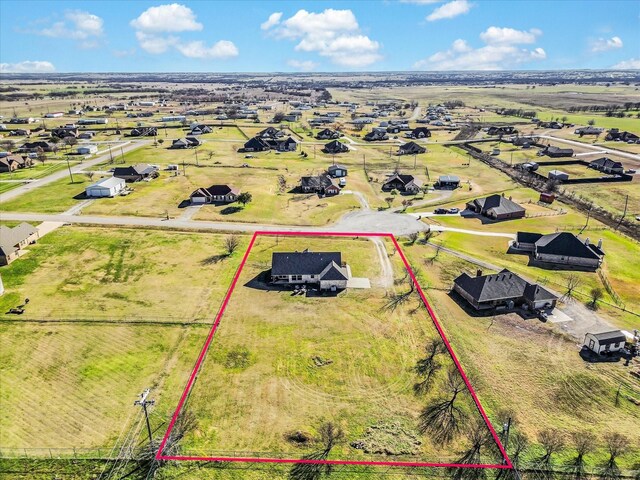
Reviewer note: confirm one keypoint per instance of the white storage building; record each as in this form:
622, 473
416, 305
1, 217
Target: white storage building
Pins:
107, 187
87, 149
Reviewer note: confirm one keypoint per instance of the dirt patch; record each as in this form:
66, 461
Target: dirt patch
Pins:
388, 439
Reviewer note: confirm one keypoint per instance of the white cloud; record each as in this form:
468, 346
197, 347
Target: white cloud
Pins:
450, 10
501, 51
155, 44
124, 53
28, 66
507, 36
78, 25
334, 34
197, 49
421, 2
604, 44
167, 18
272, 21
631, 64
156, 28
303, 65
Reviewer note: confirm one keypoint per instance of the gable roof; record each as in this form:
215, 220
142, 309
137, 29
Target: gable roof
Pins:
605, 162
564, 244
412, 147
10, 237
333, 271
107, 182
498, 204
217, 190
404, 179
607, 338
303, 263
501, 286
318, 181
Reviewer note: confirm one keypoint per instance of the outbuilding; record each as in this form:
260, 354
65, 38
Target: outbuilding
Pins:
605, 342
87, 149
107, 187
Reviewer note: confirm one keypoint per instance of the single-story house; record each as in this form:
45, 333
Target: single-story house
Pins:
324, 269
616, 134
605, 342
588, 131
504, 290
144, 132
87, 149
11, 163
200, 129
411, 148
376, 136
106, 187
270, 132
448, 182
335, 146
320, 184
505, 130
558, 175
606, 165
136, 173
419, 132
255, 144
187, 142
556, 152
555, 125
12, 240
33, 146
496, 207
215, 194
327, 134
403, 183
561, 248
337, 171
524, 142
64, 132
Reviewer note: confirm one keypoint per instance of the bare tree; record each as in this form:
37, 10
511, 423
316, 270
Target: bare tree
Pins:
89, 175
413, 236
552, 441
330, 435
584, 443
573, 282
519, 443
617, 444
231, 243
442, 418
479, 439
596, 295
42, 155
427, 367
389, 201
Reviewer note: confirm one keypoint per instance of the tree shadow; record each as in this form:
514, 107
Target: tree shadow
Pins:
311, 471
213, 259
230, 210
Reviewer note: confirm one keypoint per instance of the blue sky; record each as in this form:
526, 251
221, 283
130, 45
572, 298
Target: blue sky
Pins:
282, 36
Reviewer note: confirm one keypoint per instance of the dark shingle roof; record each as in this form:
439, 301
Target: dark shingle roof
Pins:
334, 272
607, 338
564, 244
527, 237
302, 263
605, 162
498, 204
499, 286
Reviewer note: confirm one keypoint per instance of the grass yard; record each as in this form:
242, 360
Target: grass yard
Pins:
528, 369
113, 274
281, 365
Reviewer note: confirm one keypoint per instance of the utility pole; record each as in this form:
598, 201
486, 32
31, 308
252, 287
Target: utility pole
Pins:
414, 161
195, 150
624, 213
110, 155
69, 167
122, 152
143, 402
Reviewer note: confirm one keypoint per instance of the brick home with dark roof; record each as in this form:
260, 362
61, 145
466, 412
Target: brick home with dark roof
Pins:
324, 269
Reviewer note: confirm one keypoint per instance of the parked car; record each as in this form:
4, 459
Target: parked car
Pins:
454, 210
440, 211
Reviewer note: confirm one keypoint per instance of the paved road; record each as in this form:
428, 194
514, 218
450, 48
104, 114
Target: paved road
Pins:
415, 114
600, 149
79, 168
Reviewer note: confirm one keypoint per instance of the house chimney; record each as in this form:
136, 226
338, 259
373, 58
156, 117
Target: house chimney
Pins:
478, 273
600, 243
586, 242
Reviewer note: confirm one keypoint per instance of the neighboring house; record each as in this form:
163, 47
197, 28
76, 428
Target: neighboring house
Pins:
556, 152
215, 194
262, 143
87, 149
320, 184
562, 248
106, 187
64, 132
256, 144
286, 145
403, 183
496, 207
616, 134
506, 130
11, 163
606, 165
606, 342
335, 146
411, 148
504, 290
376, 136
144, 132
337, 171
187, 142
12, 240
588, 131
88, 135
327, 134
419, 132
200, 130
136, 173
558, 175
448, 182
33, 146
524, 142
554, 125
324, 269
270, 132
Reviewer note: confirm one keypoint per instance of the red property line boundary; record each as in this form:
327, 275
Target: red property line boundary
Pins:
159, 455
